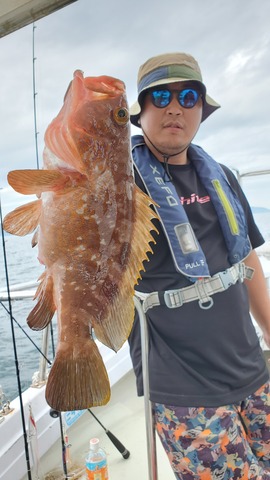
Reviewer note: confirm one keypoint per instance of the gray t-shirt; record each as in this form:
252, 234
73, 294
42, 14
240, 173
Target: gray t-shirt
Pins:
199, 357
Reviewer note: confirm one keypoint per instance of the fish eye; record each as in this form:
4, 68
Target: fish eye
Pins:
121, 115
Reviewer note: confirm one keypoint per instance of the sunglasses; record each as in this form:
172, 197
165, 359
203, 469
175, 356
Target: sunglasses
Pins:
187, 98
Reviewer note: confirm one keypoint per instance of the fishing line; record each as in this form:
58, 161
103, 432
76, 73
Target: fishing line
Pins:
52, 341
27, 457
25, 333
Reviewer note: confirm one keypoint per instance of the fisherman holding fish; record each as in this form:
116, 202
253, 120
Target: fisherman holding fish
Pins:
209, 384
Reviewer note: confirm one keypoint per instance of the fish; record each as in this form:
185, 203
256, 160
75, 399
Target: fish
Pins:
94, 230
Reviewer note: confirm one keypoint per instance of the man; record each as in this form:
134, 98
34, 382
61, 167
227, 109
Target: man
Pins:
208, 378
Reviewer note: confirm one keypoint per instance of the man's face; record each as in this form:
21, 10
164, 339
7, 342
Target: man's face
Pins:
172, 127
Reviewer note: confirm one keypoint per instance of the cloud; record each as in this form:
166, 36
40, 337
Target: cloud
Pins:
231, 44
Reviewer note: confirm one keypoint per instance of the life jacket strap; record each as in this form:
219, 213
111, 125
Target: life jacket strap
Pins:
202, 290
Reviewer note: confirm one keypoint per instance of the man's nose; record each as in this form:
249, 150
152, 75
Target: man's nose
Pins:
174, 106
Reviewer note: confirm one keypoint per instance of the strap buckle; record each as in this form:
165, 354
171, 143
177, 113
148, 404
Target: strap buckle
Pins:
227, 279
173, 298
245, 272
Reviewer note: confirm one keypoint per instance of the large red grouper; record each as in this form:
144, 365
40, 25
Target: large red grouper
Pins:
93, 235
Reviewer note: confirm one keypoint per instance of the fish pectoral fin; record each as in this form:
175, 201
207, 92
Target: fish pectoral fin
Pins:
114, 330
45, 308
37, 181
78, 378
24, 219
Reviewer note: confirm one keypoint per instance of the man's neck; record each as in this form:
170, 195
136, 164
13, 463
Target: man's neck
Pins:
180, 158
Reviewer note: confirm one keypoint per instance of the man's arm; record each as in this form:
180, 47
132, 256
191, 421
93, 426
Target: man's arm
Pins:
258, 296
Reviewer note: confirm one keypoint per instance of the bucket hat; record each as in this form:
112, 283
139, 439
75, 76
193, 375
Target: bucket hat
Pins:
169, 68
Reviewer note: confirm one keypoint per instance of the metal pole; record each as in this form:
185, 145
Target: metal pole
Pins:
43, 360
149, 420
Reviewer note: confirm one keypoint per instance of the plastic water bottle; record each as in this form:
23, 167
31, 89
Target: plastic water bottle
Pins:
96, 462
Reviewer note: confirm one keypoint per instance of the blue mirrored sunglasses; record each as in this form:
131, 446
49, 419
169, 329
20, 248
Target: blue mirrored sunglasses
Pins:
187, 98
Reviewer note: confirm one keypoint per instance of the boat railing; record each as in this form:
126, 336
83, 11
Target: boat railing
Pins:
22, 291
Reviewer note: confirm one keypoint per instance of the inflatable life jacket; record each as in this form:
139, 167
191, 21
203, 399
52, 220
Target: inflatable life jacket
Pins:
186, 251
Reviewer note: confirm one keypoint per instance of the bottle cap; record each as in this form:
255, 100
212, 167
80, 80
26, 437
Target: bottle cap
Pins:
94, 443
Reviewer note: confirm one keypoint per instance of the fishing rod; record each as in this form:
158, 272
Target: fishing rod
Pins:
34, 58
26, 449
35, 94
120, 447
64, 458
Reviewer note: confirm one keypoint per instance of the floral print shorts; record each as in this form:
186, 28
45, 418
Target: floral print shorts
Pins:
229, 442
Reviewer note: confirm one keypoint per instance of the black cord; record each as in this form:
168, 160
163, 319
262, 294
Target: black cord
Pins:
26, 334
166, 157
166, 169
27, 457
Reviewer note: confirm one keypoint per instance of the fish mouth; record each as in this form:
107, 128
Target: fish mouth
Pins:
101, 87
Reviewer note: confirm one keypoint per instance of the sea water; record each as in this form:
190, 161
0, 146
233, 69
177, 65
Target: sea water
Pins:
23, 266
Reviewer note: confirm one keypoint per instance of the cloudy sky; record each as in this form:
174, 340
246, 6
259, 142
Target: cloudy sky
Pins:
230, 40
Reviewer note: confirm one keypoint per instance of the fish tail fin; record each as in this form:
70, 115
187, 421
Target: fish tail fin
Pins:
45, 308
78, 378
114, 330
24, 219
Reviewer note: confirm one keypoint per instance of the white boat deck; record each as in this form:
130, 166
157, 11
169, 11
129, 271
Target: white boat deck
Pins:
124, 417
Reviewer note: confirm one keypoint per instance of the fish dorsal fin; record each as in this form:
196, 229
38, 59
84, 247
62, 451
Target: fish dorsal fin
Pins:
24, 219
45, 308
115, 328
37, 181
